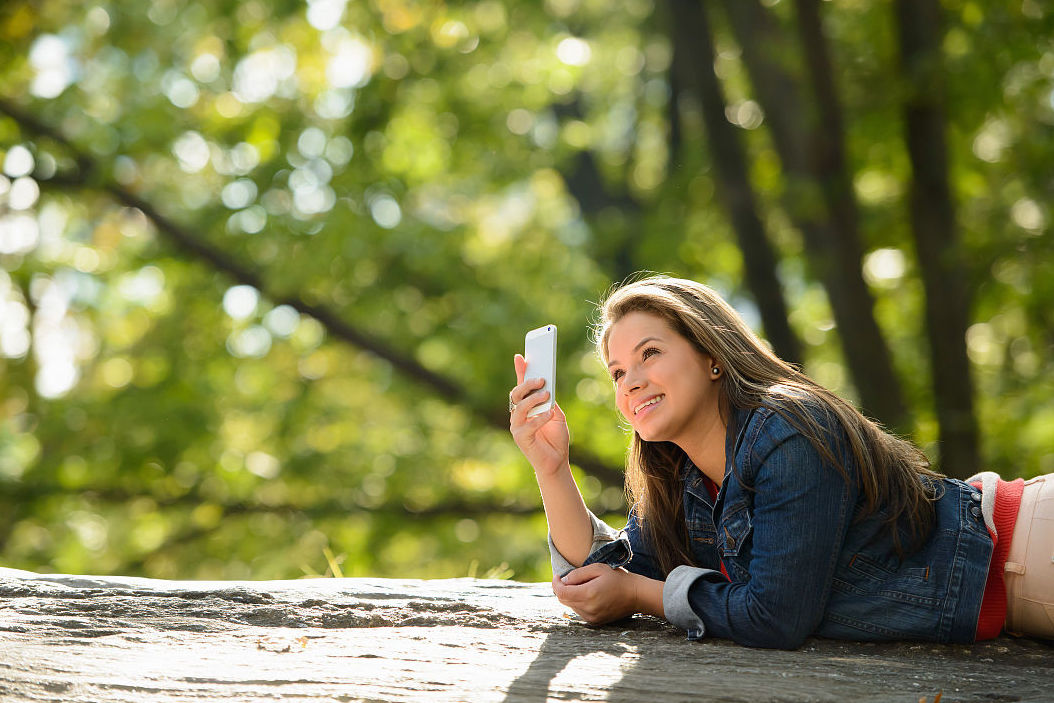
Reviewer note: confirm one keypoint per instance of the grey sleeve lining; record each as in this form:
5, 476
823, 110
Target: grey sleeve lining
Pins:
675, 603
603, 534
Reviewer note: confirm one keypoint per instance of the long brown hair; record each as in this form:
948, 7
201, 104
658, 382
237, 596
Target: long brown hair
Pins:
894, 475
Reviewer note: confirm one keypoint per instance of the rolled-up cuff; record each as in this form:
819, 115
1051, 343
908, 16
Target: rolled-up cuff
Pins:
610, 546
675, 600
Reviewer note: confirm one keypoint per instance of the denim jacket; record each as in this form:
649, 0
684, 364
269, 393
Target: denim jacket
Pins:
785, 526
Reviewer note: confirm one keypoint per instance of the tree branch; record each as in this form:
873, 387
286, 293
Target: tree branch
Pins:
21, 494
447, 388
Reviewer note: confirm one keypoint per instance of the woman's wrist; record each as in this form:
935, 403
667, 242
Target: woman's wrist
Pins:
545, 473
647, 596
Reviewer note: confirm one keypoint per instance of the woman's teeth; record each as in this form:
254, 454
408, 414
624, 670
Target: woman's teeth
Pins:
645, 404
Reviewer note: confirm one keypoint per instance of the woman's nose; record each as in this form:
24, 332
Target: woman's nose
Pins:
631, 382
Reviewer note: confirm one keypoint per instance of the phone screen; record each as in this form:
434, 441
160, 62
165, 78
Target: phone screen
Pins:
540, 352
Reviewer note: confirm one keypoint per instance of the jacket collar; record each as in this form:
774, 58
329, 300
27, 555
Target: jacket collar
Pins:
735, 431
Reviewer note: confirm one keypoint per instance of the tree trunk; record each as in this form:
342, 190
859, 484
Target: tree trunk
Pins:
693, 65
830, 162
936, 242
616, 250
833, 245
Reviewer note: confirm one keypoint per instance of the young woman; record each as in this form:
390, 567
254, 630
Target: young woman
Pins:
767, 509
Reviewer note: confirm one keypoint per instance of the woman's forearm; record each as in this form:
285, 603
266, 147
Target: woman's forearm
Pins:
569, 524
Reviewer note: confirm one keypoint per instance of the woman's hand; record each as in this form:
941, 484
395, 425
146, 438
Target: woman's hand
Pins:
600, 594
544, 438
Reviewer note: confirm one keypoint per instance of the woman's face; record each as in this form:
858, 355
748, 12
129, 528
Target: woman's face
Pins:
663, 386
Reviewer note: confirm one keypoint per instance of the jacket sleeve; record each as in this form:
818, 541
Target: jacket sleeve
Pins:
802, 509
616, 548
610, 546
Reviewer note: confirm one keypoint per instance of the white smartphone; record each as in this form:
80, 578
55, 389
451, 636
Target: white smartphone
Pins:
540, 351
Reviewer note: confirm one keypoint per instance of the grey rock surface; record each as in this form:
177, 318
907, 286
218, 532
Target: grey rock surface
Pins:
102, 638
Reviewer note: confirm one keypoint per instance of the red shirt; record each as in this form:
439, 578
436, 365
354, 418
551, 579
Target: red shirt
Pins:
711, 488
993, 604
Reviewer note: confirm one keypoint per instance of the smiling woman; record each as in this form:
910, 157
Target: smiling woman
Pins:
665, 388
767, 509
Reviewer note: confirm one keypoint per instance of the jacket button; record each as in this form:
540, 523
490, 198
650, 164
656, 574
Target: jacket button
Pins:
975, 511
975, 497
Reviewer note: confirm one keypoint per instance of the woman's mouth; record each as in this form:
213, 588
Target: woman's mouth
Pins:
648, 403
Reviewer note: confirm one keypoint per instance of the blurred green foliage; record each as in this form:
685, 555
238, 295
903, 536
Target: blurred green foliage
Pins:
409, 166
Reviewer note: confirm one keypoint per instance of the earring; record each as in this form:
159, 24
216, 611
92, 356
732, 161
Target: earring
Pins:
715, 371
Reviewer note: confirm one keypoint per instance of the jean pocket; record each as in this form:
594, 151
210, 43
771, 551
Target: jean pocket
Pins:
870, 578
874, 569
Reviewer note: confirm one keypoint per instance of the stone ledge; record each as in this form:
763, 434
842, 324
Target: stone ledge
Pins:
104, 638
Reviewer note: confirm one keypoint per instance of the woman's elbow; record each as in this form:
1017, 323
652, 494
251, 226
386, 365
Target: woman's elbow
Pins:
772, 641
774, 635
790, 640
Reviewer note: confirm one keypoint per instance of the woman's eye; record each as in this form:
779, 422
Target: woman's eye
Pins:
616, 376
650, 351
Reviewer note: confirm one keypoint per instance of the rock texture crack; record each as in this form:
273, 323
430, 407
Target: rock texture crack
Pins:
106, 639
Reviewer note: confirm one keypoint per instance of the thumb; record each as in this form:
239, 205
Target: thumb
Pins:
585, 574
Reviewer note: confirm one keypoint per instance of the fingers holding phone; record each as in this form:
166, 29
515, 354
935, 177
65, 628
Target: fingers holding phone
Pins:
537, 424
526, 397
535, 372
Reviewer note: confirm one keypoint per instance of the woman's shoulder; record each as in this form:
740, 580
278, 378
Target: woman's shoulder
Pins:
782, 413
790, 406
797, 406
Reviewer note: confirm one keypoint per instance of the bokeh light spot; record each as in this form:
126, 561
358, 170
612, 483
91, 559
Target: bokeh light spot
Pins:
240, 301
574, 51
385, 211
18, 161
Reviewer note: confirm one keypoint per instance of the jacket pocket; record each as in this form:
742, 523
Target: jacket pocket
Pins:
736, 525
